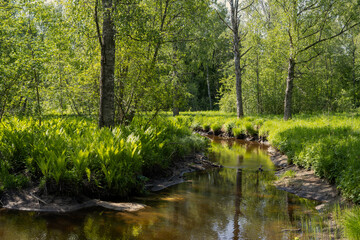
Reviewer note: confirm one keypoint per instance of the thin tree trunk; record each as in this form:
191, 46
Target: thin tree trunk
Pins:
208, 85
258, 84
107, 106
237, 56
2, 108
24, 105
289, 89
239, 103
38, 107
176, 110
354, 73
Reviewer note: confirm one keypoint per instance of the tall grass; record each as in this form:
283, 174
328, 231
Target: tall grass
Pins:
351, 223
73, 155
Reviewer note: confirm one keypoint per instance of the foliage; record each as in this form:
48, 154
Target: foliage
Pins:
71, 154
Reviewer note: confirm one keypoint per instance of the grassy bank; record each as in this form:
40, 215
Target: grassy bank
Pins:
71, 155
329, 144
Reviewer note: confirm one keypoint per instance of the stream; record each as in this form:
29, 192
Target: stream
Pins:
235, 202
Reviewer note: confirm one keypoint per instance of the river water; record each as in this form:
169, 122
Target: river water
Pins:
235, 202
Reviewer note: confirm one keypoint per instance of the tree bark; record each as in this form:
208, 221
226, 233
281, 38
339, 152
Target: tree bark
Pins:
258, 84
354, 73
208, 85
237, 56
38, 106
107, 106
289, 89
176, 109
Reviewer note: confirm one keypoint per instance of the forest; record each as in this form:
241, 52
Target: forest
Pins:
99, 96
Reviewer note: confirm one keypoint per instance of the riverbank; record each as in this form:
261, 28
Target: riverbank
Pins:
70, 156
326, 144
34, 199
300, 181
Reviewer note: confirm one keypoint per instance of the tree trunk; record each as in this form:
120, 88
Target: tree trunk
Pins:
23, 108
354, 73
258, 84
38, 107
239, 103
107, 106
237, 56
289, 89
208, 85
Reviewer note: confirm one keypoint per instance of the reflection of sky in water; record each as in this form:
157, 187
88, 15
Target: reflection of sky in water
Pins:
235, 202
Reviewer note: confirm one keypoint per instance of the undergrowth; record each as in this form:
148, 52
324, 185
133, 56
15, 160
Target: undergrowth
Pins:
71, 155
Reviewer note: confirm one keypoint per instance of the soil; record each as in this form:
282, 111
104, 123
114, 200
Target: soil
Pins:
29, 200
305, 183
34, 199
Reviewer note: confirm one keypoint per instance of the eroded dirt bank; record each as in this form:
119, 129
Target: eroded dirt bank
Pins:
305, 183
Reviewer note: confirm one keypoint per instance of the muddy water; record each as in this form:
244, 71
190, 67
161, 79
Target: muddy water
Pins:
236, 202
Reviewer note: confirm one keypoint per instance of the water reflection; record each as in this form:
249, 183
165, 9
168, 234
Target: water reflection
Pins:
236, 202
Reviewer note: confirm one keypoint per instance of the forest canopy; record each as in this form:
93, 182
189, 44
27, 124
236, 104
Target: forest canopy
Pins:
142, 56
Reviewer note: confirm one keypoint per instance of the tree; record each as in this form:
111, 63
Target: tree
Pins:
235, 18
107, 43
308, 24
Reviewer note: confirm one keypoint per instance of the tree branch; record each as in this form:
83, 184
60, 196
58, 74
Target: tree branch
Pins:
223, 20
311, 58
245, 52
97, 23
242, 9
310, 7
343, 30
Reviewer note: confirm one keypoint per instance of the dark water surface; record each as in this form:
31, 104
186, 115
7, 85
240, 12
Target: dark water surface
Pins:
236, 202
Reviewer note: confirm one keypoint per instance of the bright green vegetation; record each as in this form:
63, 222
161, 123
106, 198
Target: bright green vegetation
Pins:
329, 144
71, 155
178, 54
118, 61
351, 223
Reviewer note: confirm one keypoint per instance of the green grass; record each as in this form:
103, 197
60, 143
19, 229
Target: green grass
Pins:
351, 223
72, 155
